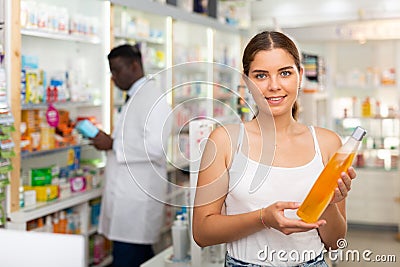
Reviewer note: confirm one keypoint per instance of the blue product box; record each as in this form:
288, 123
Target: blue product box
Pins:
95, 213
29, 62
87, 129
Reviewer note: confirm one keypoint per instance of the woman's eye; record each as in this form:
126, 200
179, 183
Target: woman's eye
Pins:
285, 73
261, 76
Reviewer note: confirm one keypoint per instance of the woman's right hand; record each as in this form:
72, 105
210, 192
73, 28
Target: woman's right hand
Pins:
274, 217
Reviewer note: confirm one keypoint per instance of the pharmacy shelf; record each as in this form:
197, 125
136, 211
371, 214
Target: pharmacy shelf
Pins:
379, 169
42, 209
67, 104
92, 230
26, 155
151, 40
178, 14
61, 36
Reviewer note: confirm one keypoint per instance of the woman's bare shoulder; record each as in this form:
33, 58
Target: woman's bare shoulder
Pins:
328, 140
224, 138
225, 132
327, 134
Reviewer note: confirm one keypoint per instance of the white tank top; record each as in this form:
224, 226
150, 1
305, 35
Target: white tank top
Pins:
269, 246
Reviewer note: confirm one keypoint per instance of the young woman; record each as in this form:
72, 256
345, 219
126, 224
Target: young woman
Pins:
253, 176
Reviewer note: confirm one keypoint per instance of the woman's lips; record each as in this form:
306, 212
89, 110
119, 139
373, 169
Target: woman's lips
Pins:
275, 100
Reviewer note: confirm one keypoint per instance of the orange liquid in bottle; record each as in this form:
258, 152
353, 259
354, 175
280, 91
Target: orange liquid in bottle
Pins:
323, 189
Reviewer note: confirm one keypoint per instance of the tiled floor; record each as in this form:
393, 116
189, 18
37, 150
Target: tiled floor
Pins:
371, 243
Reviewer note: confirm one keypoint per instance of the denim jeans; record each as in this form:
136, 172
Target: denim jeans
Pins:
317, 262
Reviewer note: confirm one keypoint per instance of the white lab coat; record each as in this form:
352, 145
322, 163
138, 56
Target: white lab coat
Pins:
136, 177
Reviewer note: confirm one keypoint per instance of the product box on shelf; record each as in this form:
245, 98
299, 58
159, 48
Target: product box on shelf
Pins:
95, 205
64, 188
78, 184
29, 198
42, 176
44, 192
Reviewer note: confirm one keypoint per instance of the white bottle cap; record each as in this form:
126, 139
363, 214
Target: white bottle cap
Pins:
62, 215
179, 220
358, 133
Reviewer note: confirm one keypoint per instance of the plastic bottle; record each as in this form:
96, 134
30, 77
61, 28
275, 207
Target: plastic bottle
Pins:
356, 107
56, 224
40, 223
366, 108
180, 238
21, 194
98, 249
48, 226
63, 223
378, 109
322, 191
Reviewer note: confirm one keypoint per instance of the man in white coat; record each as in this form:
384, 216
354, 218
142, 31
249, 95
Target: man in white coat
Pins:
136, 178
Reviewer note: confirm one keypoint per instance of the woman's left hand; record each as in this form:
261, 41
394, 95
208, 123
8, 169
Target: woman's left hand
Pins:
344, 185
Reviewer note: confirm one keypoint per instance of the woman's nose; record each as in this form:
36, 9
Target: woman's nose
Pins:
273, 84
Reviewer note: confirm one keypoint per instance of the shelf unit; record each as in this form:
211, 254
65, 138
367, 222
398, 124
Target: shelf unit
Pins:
84, 56
150, 32
21, 217
356, 70
51, 152
373, 197
147, 30
62, 105
181, 46
5, 177
31, 41
60, 36
314, 108
78, 201
88, 93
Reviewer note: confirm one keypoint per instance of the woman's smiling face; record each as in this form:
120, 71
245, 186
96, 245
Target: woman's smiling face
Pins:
275, 75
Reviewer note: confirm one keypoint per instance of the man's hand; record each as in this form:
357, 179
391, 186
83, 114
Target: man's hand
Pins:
102, 141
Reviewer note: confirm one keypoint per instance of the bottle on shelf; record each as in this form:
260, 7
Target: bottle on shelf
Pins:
323, 189
48, 226
40, 223
378, 109
180, 238
63, 223
356, 107
366, 108
56, 224
21, 194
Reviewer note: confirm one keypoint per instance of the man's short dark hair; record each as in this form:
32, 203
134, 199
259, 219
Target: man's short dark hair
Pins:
126, 51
